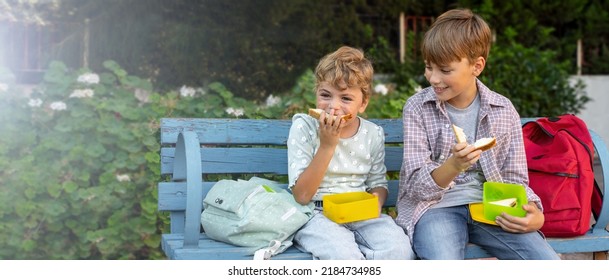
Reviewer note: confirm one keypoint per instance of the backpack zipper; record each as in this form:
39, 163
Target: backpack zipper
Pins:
561, 174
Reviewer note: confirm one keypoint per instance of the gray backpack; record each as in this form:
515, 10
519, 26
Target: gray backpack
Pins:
257, 214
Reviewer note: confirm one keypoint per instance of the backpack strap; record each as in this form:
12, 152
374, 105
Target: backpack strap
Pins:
268, 252
571, 124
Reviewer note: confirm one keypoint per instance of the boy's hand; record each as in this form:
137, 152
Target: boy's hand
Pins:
329, 129
381, 193
531, 222
464, 156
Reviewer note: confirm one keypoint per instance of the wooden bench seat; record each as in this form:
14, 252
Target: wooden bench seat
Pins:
196, 152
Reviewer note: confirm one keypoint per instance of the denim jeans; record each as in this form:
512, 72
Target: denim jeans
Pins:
374, 239
443, 233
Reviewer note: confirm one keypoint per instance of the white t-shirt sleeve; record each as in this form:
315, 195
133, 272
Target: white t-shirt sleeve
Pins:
302, 146
378, 171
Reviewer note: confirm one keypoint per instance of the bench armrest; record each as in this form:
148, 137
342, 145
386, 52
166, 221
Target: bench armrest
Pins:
187, 166
603, 155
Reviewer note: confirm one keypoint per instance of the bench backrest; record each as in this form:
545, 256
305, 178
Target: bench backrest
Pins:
251, 146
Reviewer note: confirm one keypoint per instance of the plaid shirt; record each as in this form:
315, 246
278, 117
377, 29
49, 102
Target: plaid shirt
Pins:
428, 138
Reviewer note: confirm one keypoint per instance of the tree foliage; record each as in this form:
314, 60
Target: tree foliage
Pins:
257, 48
533, 81
552, 25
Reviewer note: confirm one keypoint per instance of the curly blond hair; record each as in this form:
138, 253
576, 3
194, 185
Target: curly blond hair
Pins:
346, 67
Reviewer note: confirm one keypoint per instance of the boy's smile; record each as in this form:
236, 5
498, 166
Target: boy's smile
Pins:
439, 90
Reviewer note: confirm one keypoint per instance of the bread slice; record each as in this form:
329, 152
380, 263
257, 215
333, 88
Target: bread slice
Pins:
508, 202
459, 134
485, 143
316, 113
481, 144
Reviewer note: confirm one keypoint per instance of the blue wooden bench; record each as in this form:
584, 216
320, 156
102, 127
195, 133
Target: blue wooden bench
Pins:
196, 152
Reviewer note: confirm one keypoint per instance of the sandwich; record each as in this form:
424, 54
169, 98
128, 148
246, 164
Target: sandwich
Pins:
508, 202
316, 113
480, 144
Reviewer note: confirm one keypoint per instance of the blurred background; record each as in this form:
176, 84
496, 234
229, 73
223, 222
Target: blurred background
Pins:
83, 84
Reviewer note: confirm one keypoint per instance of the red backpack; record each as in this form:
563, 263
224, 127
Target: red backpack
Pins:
560, 156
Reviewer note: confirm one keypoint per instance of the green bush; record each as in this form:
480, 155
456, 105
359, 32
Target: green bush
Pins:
79, 162
534, 80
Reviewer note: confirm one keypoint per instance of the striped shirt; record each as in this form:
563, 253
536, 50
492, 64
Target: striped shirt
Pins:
428, 138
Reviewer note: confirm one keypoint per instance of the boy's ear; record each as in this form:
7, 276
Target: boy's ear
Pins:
362, 108
479, 64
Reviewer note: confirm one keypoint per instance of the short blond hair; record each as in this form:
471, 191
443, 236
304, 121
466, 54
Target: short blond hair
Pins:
454, 35
346, 67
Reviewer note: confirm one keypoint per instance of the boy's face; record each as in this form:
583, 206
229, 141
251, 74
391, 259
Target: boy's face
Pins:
455, 83
340, 102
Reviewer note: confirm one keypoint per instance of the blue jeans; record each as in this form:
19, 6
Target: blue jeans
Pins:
374, 239
443, 233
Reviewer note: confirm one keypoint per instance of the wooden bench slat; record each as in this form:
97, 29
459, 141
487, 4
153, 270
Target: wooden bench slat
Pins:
247, 131
254, 160
596, 241
172, 195
226, 131
215, 250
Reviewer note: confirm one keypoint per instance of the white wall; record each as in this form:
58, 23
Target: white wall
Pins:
596, 111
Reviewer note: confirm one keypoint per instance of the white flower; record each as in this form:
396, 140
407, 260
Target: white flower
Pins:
381, 88
35, 102
58, 106
235, 112
123, 178
82, 93
142, 95
187, 91
272, 100
88, 78
238, 112
3, 87
417, 89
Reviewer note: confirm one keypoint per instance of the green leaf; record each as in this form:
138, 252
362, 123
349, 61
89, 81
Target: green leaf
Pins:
24, 209
95, 150
153, 241
149, 206
70, 187
107, 78
56, 73
54, 208
153, 157
28, 245
150, 141
221, 90
54, 190
132, 81
111, 65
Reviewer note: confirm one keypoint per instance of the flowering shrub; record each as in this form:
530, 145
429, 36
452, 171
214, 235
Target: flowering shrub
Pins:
387, 100
79, 157
77, 169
